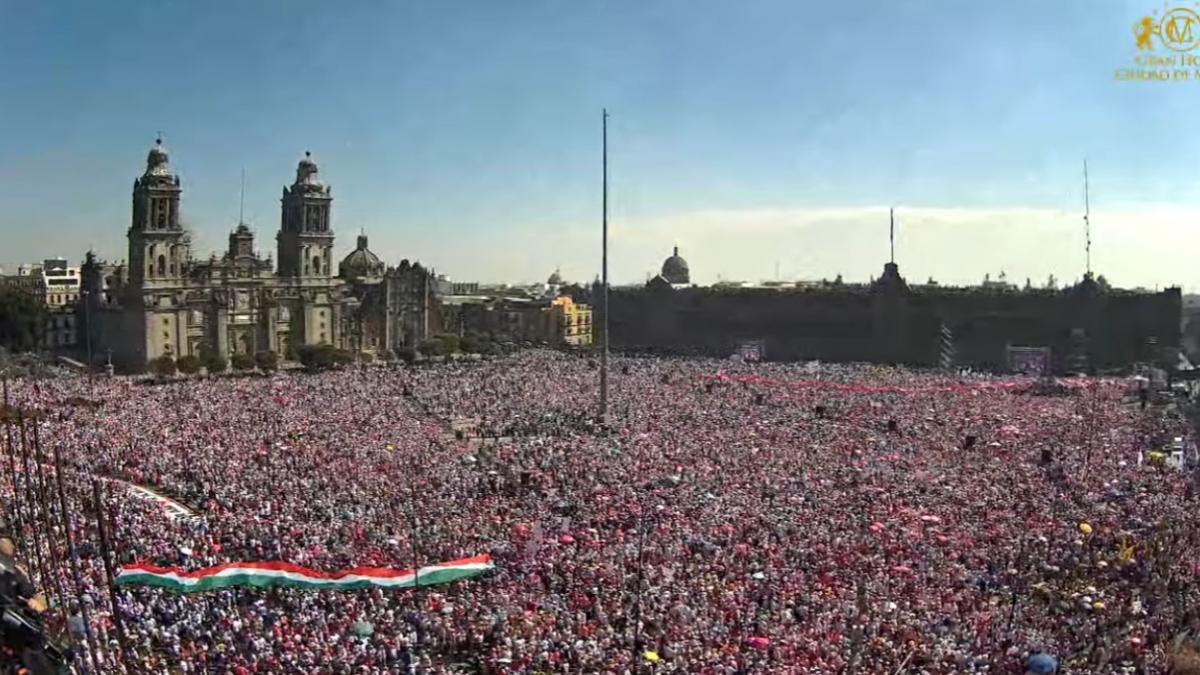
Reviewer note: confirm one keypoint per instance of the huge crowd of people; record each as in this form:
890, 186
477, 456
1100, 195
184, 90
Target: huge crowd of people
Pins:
729, 518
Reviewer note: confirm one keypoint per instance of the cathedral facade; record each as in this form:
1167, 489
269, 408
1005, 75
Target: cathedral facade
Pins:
165, 302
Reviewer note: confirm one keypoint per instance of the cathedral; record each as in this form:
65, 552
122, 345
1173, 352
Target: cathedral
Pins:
165, 302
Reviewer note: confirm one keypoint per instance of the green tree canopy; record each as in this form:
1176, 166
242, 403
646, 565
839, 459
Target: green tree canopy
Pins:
268, 361
188, 365
22, 320
241, 361
163, 366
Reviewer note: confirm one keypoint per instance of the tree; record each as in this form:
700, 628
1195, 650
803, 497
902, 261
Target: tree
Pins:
163, 366
267, 361
314, 357
22, 320
323, 357
470, 344
1052, 283
242, 362
213, 362
387, 355
1103, 283
451, 343
578, 293
407, 354
188, 365
432, 347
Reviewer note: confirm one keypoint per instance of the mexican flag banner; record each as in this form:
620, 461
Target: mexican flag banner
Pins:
285, 575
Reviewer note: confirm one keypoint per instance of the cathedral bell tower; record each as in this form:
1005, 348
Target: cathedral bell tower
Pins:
305, 240
158, 245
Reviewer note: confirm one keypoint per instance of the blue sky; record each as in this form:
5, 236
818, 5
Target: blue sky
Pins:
466, 134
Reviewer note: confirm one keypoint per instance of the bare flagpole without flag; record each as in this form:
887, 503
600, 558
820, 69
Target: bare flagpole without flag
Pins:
604, 274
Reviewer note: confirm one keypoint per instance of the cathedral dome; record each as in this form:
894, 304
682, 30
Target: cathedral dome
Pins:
675, 269
157, 160
361, 262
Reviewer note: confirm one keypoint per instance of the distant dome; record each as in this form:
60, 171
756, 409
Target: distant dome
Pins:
157, 160
675, 269
361, 262
555, 279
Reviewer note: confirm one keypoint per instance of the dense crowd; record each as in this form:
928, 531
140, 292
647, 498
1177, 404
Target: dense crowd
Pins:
731, 518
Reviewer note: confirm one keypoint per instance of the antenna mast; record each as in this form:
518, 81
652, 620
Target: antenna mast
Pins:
892, 233
1087, 222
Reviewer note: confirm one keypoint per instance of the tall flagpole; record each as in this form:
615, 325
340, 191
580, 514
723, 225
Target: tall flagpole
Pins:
604, 277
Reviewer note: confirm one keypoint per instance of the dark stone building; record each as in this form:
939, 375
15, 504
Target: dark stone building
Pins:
1087, 326
389, 308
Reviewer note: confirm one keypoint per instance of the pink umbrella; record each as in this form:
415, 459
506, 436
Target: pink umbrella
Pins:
758, 642
566, 539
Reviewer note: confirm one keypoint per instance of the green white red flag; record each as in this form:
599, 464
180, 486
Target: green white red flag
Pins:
286, 575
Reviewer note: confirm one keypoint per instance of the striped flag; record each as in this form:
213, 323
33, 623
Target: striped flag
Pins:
946, 348
286, 575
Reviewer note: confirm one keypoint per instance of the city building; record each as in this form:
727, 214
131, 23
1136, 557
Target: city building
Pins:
568, 323
555, 322
165, 302
55, 285
1088, 326
389, 308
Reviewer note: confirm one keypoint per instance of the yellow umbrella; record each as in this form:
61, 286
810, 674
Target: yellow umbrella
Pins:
652, 657
1085, 528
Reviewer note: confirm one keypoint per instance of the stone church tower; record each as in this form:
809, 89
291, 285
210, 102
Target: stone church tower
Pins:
167, 303
305, 240
159, 248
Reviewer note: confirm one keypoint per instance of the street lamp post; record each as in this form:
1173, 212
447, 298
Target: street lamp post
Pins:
87, 329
